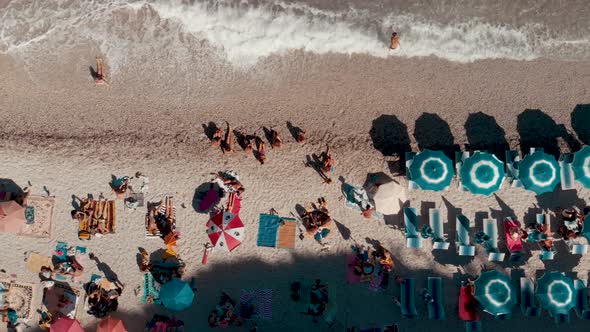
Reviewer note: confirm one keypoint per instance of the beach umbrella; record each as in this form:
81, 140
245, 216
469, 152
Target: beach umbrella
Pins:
482, 173
581, 166
176, 295
111, 324
495, 292
12, 217
65, 324
539, 172
387, 195
556, 292
225, 230
432, 170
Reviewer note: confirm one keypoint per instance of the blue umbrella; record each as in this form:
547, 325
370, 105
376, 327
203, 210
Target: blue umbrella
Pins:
581, 166
176, 295
432, 170
482, 173
556, 292
539, 172
495, 292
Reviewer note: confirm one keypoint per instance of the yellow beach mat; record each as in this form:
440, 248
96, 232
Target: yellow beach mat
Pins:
36, 261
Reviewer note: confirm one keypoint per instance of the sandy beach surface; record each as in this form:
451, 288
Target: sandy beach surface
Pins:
60, 131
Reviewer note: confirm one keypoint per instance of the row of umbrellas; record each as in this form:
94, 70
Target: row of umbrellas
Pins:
496, 294
483, 173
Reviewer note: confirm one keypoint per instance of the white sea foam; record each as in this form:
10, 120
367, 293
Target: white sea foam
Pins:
243, 34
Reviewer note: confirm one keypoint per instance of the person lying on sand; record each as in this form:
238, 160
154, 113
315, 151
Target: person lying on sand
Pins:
247, 143
394, 43
226, 144
216, 137
261, 150
328, 161
275, 141
100, 75
300, 138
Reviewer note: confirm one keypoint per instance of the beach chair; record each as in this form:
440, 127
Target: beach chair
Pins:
437, 225
408, 298
490, 228
586, 228
528, 303
578, 249
514, 246
460, 157
582, 310
463, 242
512, 160
409, 159
436, 309
566, 171
547, 255
413, 239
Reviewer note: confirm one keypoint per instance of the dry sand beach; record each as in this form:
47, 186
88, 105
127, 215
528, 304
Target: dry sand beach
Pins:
60, 131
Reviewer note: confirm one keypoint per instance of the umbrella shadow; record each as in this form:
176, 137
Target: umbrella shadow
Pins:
209, 129
432, 132
538, 130
581, 122
9, 186
563, 260
344, 231
505, 210
390, 137
559, 198
200, 193
484, 134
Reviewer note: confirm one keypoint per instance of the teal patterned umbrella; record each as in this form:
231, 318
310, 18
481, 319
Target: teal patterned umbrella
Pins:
495, 292
432, 170
482, 173
581, 166
556, 292
539, 172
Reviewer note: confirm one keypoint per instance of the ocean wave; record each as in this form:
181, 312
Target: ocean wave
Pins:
244, 33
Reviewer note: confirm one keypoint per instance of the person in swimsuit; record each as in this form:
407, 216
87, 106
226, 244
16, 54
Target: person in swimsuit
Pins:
394, 42
276, 141
226, 144
216, 137
261, 149
100, 74
327, 162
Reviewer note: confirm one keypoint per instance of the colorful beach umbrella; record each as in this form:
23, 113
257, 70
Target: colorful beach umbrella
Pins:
111, 324
432, 170
556, 292
482, 173
581, 166
539, 172
495, 292
226, 231
176, 295
65, 324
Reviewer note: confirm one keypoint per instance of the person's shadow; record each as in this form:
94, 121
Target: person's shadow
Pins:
93, 73
105, 269
210, 129
294, 130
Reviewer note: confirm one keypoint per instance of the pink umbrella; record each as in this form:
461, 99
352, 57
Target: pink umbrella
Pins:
12, 217
225, 230
65, 324
111, 324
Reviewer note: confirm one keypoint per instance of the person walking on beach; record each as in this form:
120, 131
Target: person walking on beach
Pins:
327, 162
100, 74
394, 42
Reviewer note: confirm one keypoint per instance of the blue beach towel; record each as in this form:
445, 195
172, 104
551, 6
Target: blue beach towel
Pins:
267, 230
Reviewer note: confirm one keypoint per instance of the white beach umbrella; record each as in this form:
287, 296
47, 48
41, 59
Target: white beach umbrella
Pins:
389, 197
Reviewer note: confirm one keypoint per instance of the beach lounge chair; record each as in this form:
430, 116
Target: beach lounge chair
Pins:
512, 160
586, 228
409, 159
408, 298
527, 298
514, 246
582, 310
547, 255
578, 249
413, 239
460, 157
437, 225
566, 171
463, 242
436, 309
490, 228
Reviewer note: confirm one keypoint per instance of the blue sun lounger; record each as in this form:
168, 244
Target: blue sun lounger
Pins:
490, 228
578, 249
436, 309
463, 241
566, 171
582, 310
528, 303
413, 239
408, 298
437, 226
512, 160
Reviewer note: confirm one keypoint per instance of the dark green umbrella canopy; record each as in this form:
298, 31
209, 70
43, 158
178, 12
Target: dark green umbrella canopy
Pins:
482, 173
581, 166
539, 172
432, 170
556, 292
495, 292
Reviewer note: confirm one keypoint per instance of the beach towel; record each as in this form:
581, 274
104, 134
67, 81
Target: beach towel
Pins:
467, 305
261, 299
38, 213
355, 197
149, 289
351, 261
268, 226
512, 244
36, 261
287, 233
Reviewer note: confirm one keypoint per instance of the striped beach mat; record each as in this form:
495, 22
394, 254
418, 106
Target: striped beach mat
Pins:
262, 300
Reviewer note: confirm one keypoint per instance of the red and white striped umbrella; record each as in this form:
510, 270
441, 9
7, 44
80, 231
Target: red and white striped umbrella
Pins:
225, 230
